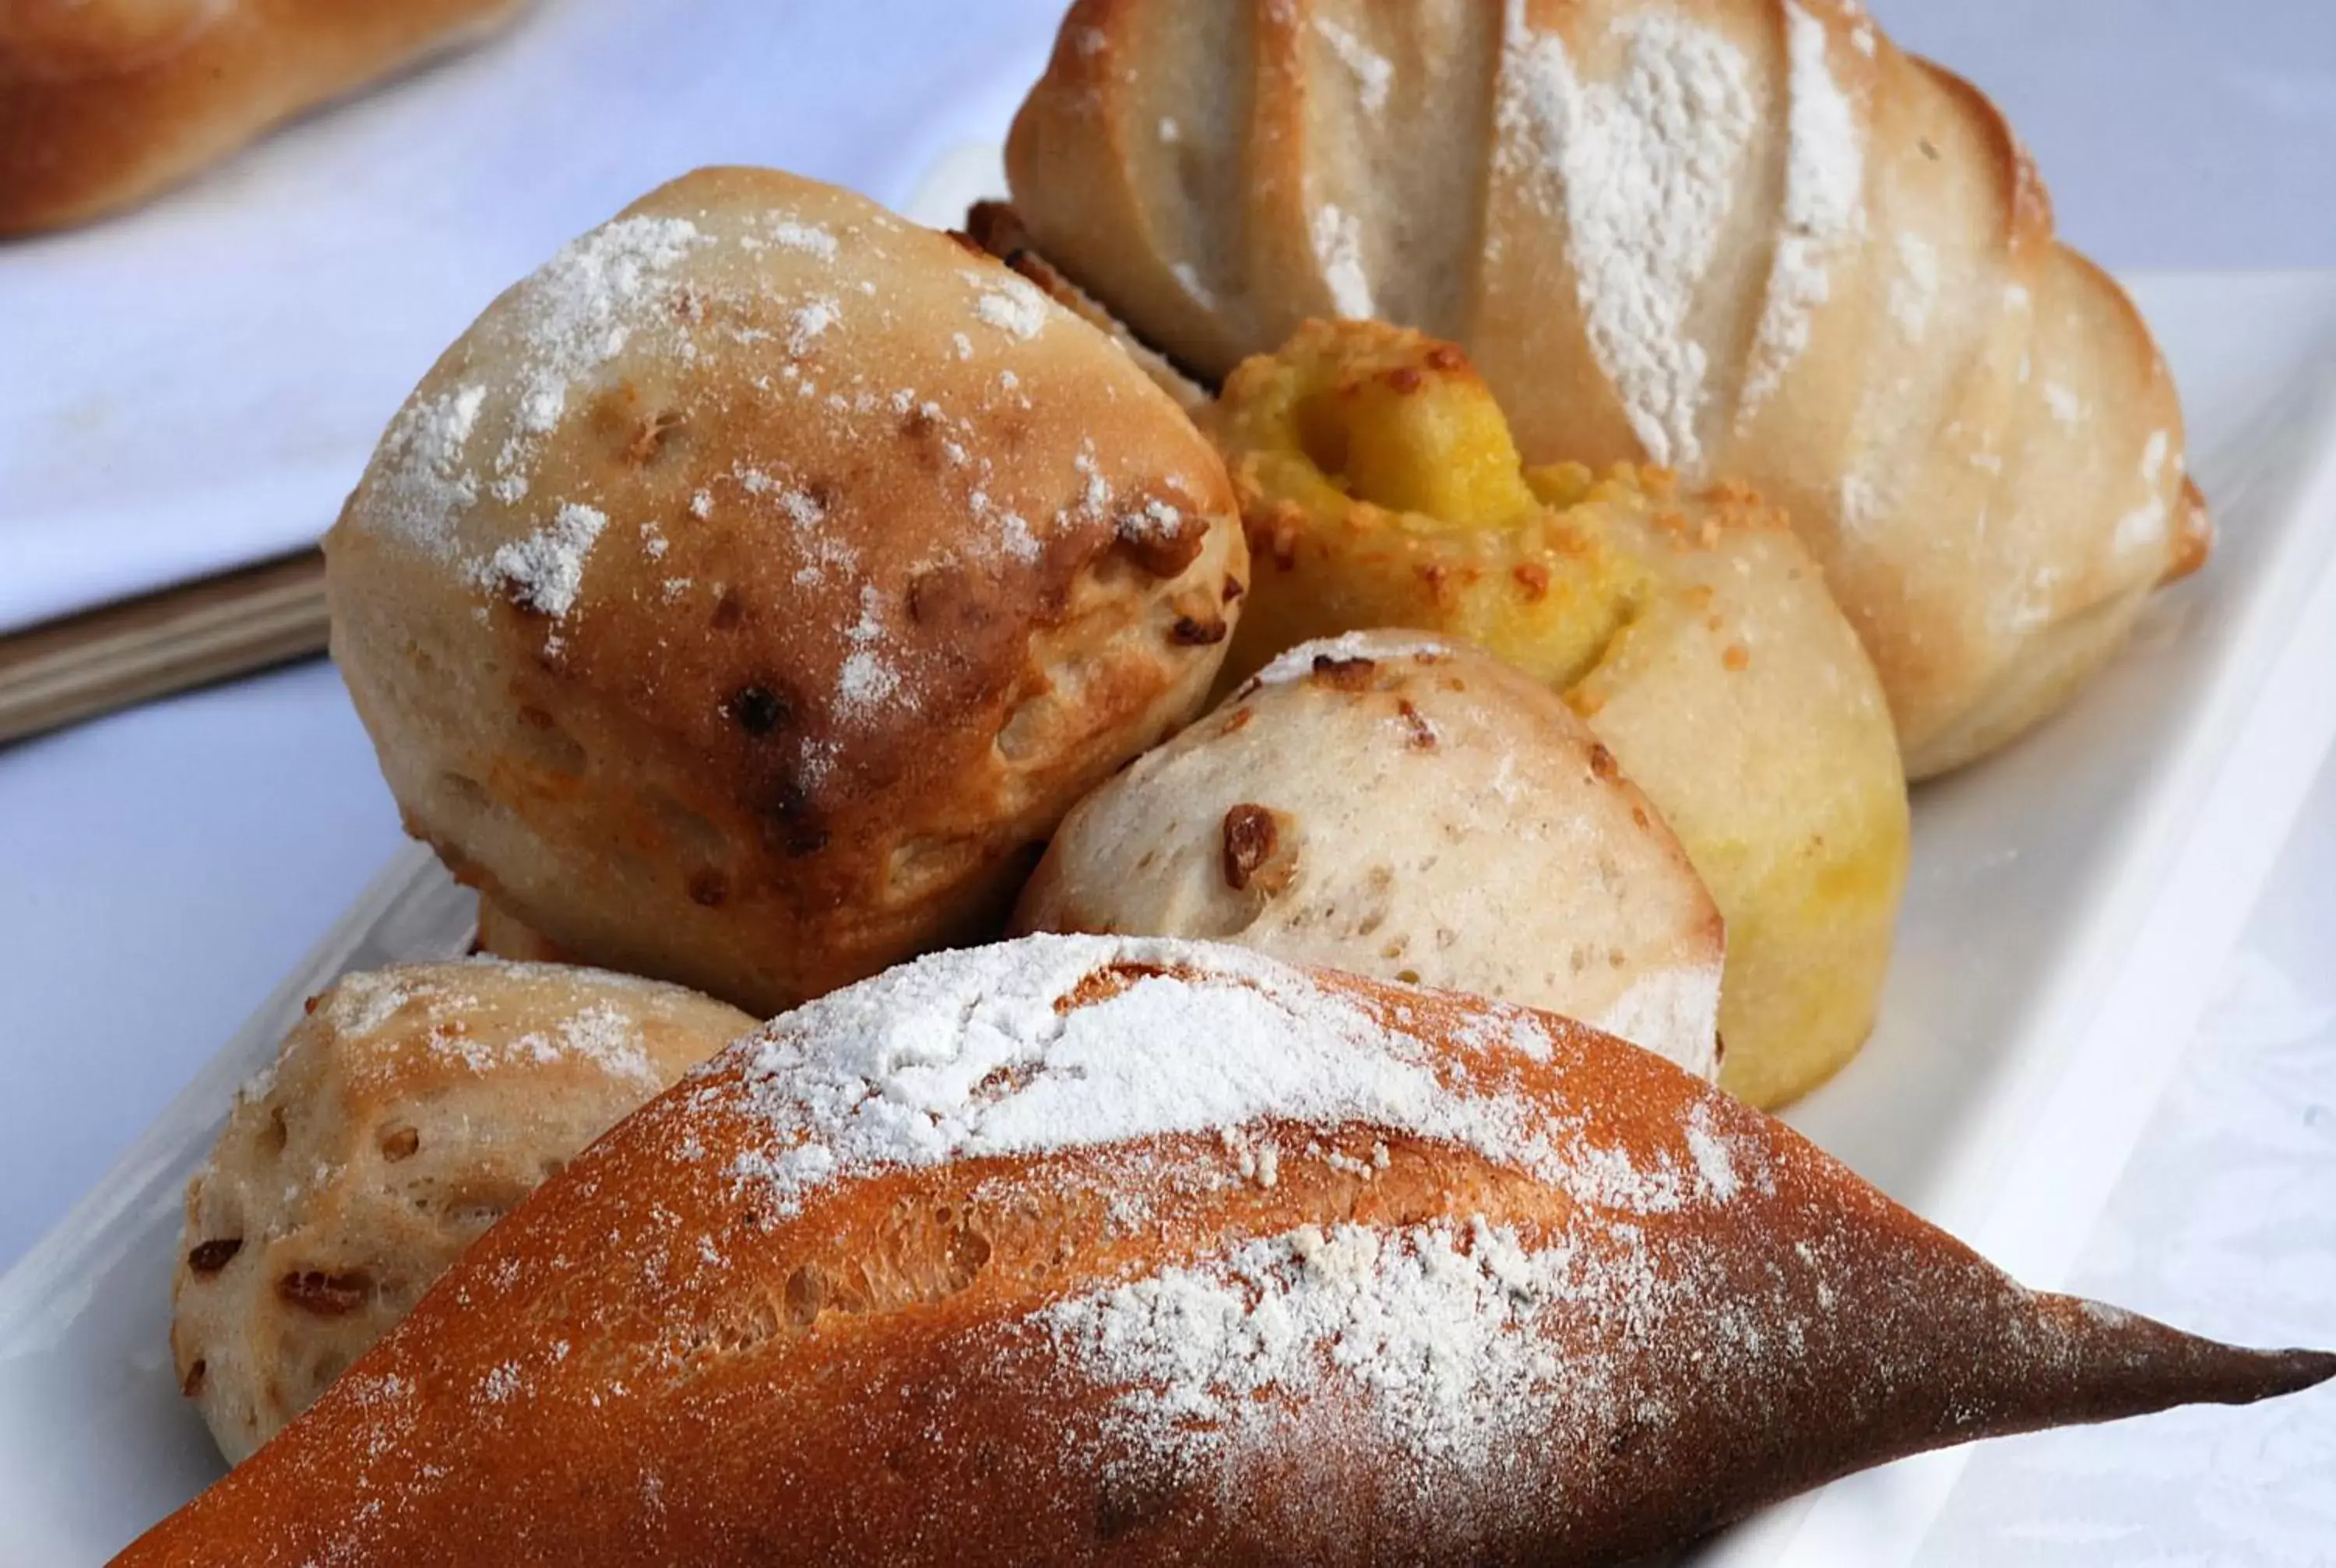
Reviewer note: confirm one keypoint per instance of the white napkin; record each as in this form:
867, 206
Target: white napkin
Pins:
198, 384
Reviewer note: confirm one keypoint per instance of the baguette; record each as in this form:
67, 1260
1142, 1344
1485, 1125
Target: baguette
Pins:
1072, 1248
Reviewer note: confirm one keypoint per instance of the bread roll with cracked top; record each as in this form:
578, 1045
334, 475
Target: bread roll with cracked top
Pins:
411, 1109
1402, 806
1073, 1249
105, 102
747, 595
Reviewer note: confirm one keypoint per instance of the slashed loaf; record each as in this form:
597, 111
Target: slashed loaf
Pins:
1746, 239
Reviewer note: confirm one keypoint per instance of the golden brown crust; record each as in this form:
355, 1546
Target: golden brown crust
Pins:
1835, 279
747, 595
103, 105
669, 1354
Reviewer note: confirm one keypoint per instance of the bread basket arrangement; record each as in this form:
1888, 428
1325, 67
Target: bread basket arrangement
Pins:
1298, 731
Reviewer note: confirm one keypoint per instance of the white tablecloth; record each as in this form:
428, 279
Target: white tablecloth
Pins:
160, 871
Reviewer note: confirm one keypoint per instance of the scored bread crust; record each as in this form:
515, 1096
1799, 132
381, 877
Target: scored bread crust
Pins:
775, 1318
105, 102
1396, 804
747, 595
1745, 238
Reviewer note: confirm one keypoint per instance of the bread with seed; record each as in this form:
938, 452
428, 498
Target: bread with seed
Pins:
407, 1111
1745, 239
1381, 487
1407, 806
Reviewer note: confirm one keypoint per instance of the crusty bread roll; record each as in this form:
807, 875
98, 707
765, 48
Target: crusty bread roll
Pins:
411, 1109
104, 103
1381, 487
1745, 238
747, 595
1073, 1249
1397, 805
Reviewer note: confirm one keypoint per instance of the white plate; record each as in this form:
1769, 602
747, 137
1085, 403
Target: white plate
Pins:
2070, 901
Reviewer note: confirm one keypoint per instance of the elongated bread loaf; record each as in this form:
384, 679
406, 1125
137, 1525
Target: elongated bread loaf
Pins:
1073, 1248
1742, 238
104, 103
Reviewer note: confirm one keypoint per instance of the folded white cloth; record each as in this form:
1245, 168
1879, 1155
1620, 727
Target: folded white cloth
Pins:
196, 385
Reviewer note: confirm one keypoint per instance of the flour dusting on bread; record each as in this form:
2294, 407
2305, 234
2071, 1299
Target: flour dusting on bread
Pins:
989, 1051
1646, 169
545, 571
1053, 1043
1337, 237
1824, 207
693, 540
580, 312
1432, 1326
1373, 72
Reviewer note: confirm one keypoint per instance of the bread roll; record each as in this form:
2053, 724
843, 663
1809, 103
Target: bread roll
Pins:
1689, 629
747, 594
1400, 807
1073, 1249
105, 102
410, 1110
1744, 239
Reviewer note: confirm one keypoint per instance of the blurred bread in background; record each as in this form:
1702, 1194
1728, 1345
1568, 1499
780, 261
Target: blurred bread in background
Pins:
105, 102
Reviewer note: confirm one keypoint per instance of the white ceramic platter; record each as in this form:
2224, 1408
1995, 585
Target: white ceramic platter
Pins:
2070, 899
